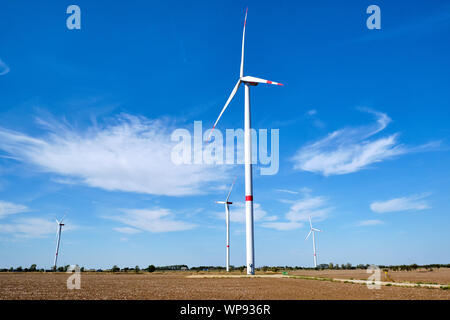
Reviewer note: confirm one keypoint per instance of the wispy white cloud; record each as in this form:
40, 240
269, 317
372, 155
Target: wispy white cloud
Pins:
312, 115
368, 223
314, 207
4, 69
8, 208
33, 227
151, 220
286, 191
131, 154
282, 226
127, 230
415, 202
300, 210
353, 149
237, 213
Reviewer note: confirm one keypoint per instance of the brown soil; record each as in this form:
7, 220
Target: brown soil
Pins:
438, 276
176, 285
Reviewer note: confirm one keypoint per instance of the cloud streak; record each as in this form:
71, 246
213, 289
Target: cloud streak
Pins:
4, 69
299, 212
282, 226
369, 223
131, 154
237, 213
287, 191
411, 203
352, 149
8, 208
32, 228
151, 220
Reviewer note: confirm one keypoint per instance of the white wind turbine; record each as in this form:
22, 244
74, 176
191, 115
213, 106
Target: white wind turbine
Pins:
58, 239
312, 230
227, 218
247, 81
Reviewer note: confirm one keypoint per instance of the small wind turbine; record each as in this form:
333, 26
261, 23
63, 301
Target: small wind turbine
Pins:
58, 239
247, 81
227, 218
312, 230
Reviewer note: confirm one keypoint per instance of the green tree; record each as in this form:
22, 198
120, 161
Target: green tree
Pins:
151, 268
115, 268
330, 265
33, 268
137, 269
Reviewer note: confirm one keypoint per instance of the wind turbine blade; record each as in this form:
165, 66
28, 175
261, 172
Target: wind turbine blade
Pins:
318, 230
310, 223
229, 193
310, 231
57, 221
259, 80
243, 42
226, 105
57, 232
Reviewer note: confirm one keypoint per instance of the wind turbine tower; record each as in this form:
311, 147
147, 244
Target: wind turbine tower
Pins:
247, 81
58, 239
227, 218
312, 230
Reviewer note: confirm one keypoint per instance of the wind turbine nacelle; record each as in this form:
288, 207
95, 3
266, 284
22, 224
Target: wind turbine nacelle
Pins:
224, 202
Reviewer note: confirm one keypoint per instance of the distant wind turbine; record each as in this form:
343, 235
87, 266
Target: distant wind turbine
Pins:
58, 239
312, 230
247, 81
227, 218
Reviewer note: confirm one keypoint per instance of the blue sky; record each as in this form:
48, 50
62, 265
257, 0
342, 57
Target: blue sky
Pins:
86, 117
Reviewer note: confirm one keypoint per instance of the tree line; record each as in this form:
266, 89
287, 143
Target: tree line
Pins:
183, 267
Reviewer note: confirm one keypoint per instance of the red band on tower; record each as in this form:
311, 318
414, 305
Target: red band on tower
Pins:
248, 198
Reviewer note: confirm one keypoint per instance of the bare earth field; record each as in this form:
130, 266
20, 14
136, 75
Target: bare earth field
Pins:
176, 285
438, 276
